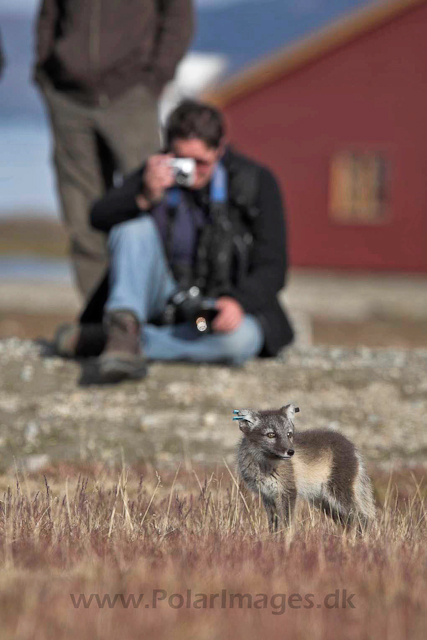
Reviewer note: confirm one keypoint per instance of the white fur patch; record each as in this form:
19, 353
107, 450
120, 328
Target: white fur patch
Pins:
290, 412
310, 477
363, 491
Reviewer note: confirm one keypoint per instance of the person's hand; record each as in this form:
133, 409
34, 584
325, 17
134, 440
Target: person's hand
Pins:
158, 176
230, 315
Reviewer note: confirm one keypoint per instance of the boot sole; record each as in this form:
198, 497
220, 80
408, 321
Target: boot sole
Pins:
115, 370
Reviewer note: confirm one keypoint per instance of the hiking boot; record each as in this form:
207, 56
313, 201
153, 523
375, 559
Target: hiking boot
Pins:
122, 358
73, 340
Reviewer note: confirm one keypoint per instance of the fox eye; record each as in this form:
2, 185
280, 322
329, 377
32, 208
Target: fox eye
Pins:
290, 434
271, 435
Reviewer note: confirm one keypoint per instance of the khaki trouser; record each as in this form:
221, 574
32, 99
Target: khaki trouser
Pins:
90, 143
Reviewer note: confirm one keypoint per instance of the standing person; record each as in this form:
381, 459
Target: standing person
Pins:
101, 66
185, 259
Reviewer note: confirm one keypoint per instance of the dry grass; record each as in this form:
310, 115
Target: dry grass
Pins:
101, 532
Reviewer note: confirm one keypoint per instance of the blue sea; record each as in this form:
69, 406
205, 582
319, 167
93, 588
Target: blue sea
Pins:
26, 179
33, 268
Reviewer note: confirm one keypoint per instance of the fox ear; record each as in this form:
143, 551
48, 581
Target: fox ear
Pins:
289, 411
247, 418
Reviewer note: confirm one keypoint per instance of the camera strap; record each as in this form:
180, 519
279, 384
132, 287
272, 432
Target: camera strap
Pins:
219, 185
177, 198
215, 247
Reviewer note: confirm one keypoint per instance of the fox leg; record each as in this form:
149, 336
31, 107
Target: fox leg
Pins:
272, 513
336, 511
281, 509
288, 506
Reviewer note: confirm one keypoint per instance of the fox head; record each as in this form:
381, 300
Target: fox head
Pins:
271, 432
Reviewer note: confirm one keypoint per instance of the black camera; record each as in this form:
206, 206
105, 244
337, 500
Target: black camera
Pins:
188, 305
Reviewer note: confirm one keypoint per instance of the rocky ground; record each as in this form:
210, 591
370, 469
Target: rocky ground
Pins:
182, 413
376, 310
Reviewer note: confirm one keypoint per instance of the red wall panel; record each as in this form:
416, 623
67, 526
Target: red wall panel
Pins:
369, 94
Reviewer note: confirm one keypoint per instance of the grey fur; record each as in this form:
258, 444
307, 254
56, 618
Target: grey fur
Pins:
326, 469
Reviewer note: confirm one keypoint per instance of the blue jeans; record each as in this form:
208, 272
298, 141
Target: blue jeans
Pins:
141, 282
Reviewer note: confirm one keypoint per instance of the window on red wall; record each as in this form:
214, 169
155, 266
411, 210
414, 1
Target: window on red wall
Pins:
358, 188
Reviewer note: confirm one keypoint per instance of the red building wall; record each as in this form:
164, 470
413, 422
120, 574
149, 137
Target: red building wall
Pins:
370, 94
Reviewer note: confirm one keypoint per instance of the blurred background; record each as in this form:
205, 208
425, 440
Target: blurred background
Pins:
331, 94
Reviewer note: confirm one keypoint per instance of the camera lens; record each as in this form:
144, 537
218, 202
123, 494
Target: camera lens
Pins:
201, 324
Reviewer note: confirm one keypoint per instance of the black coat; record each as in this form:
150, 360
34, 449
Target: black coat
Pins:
266, 275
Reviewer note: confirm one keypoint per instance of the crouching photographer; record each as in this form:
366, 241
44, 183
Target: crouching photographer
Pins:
197, 257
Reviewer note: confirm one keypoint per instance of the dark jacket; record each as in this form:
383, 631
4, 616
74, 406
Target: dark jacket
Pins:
97, 49
263, 218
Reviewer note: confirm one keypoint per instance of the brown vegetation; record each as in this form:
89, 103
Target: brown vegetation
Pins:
21, 235
94, 531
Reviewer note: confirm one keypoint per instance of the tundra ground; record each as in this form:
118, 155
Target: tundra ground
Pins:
92, 552
120, 516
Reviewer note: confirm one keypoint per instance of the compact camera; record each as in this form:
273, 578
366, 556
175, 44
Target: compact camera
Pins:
188, 305
184, 170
